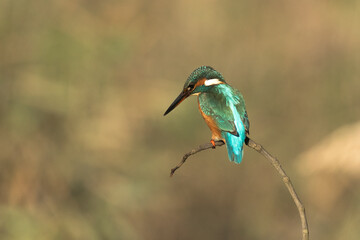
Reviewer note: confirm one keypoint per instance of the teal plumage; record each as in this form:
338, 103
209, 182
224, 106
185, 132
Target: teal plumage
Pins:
225, 105
222, 107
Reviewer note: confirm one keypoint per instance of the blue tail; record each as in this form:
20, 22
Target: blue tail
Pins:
234, 143
235, 146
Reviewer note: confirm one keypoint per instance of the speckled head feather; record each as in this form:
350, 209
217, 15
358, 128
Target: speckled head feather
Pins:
201, 73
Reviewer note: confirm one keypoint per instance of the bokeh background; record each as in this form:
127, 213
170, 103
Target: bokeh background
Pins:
85, 152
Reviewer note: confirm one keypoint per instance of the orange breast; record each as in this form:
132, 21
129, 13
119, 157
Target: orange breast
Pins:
216, 133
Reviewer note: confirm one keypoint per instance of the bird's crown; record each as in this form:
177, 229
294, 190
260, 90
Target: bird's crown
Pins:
203, 72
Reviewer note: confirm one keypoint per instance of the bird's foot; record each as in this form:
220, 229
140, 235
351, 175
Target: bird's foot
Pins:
213, 143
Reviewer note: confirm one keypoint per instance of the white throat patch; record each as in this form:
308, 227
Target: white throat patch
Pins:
213, 81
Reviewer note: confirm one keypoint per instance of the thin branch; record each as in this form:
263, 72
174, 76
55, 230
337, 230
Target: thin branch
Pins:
276, 164
194, 151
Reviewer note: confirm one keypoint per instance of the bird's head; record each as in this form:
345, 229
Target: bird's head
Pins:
200, 80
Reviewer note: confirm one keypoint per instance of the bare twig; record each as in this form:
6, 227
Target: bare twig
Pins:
276, 164
192, 152
260, 149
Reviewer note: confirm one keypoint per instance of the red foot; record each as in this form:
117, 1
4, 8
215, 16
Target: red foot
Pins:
213, 143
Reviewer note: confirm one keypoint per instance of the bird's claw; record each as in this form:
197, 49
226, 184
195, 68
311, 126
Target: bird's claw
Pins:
213, 143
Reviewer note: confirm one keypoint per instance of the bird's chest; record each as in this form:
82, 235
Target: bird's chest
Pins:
216, 132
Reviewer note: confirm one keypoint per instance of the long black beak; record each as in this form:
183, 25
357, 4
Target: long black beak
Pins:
184, 94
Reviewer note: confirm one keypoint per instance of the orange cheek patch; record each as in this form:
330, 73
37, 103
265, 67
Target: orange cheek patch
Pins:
200, 82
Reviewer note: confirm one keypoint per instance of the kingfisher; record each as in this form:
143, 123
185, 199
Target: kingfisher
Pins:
221, 106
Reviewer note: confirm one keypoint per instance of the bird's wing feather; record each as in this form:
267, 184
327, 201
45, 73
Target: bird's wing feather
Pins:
240, 106
215, 107
226, 106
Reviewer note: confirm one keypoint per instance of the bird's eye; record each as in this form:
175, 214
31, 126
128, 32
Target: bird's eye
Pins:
190, 87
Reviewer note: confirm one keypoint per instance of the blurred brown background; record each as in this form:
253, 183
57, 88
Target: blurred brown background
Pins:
85, 152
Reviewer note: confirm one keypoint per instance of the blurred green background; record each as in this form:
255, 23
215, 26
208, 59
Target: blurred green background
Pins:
85, 152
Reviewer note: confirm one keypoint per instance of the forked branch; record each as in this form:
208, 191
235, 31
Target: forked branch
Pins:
276, 164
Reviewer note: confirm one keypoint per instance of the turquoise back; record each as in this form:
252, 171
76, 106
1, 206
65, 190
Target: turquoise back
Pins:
226, 106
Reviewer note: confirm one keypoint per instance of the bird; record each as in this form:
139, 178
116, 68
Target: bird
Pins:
221, 106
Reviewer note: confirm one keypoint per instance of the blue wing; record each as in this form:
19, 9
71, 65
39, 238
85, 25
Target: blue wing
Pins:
226, 106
